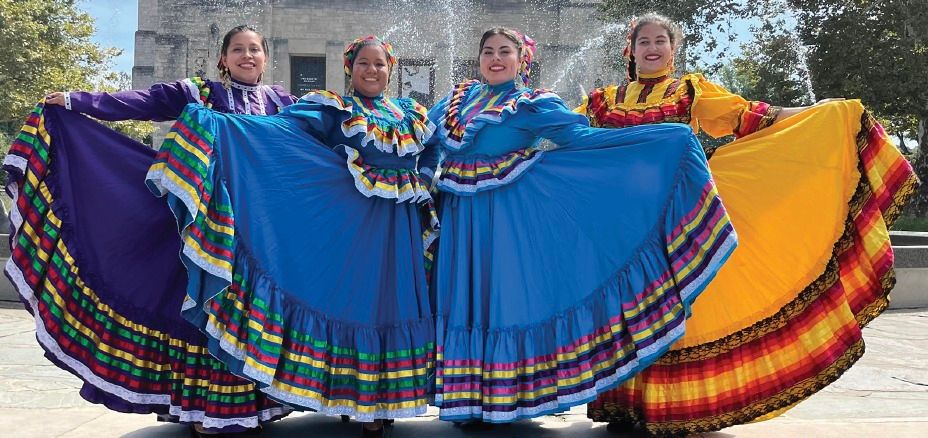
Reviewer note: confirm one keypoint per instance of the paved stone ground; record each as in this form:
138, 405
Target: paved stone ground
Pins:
885, 395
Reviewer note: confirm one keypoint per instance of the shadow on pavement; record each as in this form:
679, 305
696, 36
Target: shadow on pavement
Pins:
319, 426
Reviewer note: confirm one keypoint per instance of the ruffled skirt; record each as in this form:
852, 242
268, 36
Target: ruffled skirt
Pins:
812, 198
303, 283
571, 272
94, 258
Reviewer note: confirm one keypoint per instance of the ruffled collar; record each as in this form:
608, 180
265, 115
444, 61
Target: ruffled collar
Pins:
486, 98
377, 109
606, 106
399, 126
471, 105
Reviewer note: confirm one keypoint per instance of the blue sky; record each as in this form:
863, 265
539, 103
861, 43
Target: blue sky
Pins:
116, 22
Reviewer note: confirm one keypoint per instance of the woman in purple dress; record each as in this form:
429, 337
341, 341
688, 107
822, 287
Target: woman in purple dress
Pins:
241, 66
95, 256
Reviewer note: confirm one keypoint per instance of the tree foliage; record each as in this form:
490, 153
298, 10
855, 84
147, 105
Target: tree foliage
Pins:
875, 50
49, 46
766, 69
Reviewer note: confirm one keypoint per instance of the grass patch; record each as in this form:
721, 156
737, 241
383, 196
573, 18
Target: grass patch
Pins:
911, 223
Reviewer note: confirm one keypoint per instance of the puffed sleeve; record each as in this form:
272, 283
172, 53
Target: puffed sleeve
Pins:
720, 112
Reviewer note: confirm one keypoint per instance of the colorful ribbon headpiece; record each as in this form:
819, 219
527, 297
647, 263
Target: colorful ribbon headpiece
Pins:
352, 50
528, 56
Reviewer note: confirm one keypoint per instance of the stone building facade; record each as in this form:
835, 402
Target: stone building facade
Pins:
436, 41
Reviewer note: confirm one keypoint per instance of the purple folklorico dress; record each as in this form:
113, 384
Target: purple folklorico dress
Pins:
95, 257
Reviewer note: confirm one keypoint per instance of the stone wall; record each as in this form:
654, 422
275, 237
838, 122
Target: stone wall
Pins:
180, 38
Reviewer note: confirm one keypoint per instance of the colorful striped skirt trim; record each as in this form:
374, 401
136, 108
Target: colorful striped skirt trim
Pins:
124, 364
298, 355
780, 360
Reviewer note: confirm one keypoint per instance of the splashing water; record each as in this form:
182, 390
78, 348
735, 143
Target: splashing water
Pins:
583, 54
802, 54
443, 38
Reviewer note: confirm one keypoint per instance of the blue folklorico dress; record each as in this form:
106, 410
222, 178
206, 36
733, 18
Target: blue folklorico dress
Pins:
304, 236
561, 270
95, 257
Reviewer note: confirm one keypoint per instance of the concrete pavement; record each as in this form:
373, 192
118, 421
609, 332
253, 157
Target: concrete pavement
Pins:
885, 394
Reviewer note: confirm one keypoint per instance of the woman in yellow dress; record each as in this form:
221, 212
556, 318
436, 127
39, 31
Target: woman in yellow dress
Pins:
811, 192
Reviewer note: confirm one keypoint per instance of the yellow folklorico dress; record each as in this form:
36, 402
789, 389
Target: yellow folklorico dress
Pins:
811, 198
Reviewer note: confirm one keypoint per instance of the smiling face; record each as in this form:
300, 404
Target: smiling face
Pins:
245, 57
370, 72
652, 49
499, 60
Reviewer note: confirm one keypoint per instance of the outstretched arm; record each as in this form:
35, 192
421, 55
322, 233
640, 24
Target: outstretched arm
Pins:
161, 102
791, 111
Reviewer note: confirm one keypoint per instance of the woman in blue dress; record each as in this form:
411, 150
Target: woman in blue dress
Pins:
562, 269
304, 235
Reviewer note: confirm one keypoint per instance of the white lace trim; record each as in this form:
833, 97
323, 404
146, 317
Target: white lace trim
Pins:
81, 369
243, 87
247, 91
16, 217
251, 422
431, 235
85, 374
157, 180
709, 272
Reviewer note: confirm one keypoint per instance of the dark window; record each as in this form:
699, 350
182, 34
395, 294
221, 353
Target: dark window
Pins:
306, 73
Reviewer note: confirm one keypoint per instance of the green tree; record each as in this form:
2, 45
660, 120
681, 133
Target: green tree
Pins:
49, 48
876, 50
767, 68
49, 42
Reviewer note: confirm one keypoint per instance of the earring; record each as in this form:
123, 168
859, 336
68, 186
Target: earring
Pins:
225, 76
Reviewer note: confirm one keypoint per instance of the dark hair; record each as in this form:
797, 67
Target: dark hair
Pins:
510, 34
226, 40
673, 31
